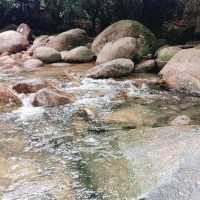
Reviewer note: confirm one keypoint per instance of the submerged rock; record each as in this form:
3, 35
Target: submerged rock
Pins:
149, 163
47, 54
12, 42
68, 40
131, 116
126, 28
47, 97
79, 55
122, 48
183, 182
182, 72
112, 69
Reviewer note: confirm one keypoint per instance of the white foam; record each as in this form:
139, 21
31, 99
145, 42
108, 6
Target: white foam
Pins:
28, 111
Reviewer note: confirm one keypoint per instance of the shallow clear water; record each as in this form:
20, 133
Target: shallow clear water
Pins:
57, 153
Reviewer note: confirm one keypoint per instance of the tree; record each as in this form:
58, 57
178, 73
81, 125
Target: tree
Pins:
57, 15
192, 14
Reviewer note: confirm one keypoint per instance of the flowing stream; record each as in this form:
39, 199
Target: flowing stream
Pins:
124, 150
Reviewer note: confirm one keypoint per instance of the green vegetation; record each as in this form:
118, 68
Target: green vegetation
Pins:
93, 15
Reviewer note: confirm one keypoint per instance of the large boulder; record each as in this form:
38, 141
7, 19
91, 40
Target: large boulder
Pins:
12, 42
164, 54
182, 72
123, 48
47, 54
115, 68
68, 40
79, 54
126, 28
50, 98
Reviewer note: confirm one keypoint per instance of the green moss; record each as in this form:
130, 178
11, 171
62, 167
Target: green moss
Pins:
148, 40
166, 53
165, 57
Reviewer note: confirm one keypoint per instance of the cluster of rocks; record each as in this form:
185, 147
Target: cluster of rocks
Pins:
41, 93
128, 46
123, 48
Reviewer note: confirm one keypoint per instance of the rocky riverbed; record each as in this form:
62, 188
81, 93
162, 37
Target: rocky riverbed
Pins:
77, 129
115, 141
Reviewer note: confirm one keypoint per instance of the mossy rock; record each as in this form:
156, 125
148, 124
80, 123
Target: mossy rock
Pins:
147, 41
164, 54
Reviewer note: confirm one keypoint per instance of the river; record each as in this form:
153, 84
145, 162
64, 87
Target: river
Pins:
115, 142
